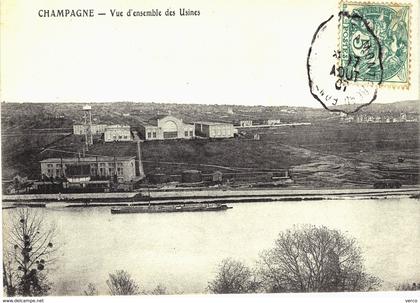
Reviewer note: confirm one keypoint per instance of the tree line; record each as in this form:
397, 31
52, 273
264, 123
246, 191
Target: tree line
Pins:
304, 259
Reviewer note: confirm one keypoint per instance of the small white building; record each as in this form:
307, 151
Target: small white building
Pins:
273, 121
96, 129
245, 123
214, 129
117, 133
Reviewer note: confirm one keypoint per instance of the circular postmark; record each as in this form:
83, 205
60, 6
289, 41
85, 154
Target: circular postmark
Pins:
344, 63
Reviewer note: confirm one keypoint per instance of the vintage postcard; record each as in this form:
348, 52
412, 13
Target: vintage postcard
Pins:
210, 150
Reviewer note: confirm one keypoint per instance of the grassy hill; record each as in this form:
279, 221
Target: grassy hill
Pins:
323, 145
320, 154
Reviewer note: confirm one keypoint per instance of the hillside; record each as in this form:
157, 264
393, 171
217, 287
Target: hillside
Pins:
63, 115
323, 154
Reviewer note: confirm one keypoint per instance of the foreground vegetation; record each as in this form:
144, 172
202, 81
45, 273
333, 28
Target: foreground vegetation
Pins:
29, 250
303, 259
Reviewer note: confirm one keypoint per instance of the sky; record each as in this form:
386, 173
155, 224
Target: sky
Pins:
237, 52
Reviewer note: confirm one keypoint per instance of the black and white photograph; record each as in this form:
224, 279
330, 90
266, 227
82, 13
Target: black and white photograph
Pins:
210, 150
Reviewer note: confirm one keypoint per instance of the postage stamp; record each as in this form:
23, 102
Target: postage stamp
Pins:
390, 24
344, 80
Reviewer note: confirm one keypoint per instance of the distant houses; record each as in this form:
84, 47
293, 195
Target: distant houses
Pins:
380, 118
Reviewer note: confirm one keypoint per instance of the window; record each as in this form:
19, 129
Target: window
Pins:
58, 172
186, 133
120, 171
114, 137
120, 137
125, 137
169, 135
154, 134
149, 135
49, 165
191, 133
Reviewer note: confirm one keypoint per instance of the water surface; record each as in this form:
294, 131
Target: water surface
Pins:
182, 250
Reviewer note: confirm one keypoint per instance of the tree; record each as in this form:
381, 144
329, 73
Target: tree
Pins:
233, 277
121, 284
314, 259
159, 290
407, 286
28, 254
91, 290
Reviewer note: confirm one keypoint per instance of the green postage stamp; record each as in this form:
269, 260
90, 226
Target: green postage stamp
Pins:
389, 25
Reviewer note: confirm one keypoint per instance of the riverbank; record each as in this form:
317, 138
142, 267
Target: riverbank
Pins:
214, 195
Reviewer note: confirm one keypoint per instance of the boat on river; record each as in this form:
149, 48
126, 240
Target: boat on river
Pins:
169, 208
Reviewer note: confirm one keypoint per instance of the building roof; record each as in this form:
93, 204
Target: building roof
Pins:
118, 126
212, 123
93, 124
154, 120
87, 159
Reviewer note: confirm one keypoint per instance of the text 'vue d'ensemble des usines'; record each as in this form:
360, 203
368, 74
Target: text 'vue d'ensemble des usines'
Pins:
90, 13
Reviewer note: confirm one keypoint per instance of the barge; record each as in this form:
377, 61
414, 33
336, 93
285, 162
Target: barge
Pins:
170, 208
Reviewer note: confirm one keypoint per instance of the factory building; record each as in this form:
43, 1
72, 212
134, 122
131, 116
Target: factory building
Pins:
164, 127
88, 168
117, 133
214, 129
111, 132
96, 129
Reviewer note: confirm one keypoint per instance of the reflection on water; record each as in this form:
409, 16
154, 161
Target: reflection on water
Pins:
182, 250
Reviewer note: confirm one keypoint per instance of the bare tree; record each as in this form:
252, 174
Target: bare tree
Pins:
312, 259
29, 252
91, 290
121, 284
407, 286
233, 277
159, 290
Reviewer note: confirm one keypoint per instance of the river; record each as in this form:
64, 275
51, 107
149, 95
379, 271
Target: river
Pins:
181, 250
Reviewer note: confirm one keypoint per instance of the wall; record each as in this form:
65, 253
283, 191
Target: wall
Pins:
222, 130
96, 129
104, 169
118, 134
168, 128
